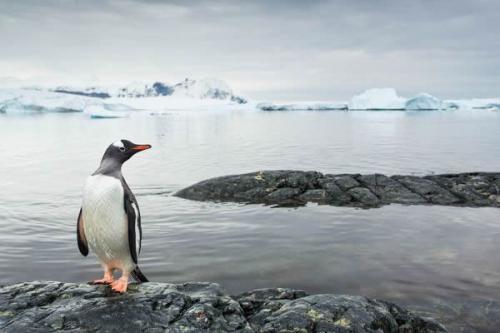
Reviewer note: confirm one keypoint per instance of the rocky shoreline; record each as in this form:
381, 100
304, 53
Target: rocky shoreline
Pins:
195, 307
289, 187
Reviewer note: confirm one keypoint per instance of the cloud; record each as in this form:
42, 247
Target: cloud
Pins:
264, 49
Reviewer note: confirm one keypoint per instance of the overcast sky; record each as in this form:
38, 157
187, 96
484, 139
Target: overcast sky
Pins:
273, 50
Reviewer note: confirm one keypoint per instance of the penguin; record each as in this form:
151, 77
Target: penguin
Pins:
109, 222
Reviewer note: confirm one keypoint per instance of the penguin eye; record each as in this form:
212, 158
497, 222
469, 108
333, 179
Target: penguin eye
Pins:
122, 149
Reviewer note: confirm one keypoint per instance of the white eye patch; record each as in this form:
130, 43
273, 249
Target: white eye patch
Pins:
118, 144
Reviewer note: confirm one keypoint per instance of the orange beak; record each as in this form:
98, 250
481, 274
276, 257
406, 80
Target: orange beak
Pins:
141, 147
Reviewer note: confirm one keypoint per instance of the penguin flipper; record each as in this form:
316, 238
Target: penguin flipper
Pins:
80, 235
131, 217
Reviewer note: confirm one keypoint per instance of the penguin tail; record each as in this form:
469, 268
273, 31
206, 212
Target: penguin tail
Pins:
138, 275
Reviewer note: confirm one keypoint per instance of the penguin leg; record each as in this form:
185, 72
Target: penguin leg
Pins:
121, 284
108, 277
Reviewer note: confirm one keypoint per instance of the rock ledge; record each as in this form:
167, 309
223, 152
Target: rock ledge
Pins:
288, 187
195, 307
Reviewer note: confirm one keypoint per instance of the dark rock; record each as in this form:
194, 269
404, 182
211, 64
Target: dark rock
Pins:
335, 194
282, 195
364, 196
431, 191
345, 182
390, 190
286, 310
318, 196
474, 188
284, 187
90, 93
195, 307
54, 306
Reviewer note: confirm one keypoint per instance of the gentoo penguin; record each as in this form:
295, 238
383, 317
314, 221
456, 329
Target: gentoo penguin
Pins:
109, 222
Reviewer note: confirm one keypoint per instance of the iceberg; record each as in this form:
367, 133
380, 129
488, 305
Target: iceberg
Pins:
101, 111
423, 101
377, 99
205, 94
475, 103
37, 101
303, 106
493, 106
450, 105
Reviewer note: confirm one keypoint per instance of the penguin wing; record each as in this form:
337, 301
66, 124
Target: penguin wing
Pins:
134, 225
80, 235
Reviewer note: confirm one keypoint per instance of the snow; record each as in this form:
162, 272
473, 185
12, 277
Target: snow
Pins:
377, 99
209, 88
423, 101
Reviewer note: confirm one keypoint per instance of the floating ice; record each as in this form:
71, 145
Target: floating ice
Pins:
37, 101
303, 106
475, 103
423, 102
107, 110
377, 99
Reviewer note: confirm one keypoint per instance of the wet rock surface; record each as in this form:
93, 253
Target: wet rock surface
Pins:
195, 307
286, 187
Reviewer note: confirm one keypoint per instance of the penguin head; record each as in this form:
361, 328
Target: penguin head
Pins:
121, 150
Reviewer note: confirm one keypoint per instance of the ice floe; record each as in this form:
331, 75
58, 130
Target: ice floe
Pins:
303, 106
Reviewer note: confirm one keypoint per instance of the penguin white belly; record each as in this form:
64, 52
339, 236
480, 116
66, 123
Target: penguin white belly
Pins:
105, 221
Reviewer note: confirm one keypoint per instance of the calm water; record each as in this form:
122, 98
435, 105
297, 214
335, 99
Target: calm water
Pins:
442, 261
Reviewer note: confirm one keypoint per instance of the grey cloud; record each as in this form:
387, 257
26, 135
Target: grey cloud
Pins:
265, 49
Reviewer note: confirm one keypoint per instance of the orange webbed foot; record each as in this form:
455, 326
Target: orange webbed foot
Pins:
120, 285
107, 278
103, 281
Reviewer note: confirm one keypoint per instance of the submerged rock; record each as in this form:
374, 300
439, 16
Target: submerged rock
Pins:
195, 307
285, 187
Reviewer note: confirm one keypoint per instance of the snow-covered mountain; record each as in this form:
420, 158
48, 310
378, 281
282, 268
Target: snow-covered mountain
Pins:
209, 88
